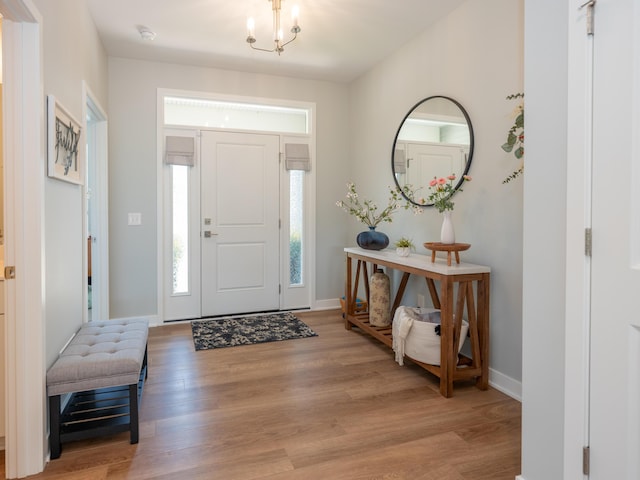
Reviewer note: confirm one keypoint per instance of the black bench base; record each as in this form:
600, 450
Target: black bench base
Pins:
94, 413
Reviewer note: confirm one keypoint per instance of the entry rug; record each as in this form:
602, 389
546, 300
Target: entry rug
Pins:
230, 332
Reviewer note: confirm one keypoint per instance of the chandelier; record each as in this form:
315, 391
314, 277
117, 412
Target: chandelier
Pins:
278, 37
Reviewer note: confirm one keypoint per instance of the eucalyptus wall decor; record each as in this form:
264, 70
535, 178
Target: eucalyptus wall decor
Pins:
515, 137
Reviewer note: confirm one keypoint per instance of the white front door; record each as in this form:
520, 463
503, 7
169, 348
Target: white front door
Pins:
614, 420
240, 223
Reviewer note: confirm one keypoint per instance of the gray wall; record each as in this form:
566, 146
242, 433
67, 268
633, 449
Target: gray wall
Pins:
72, 53
355, 126
474, 55
545, 240
133, 88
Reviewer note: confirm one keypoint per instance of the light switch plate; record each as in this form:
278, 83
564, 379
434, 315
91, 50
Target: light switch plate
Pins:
135, 219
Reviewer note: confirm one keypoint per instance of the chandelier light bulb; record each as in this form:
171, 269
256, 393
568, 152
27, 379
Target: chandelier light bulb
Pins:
251, 27
278, 34
295, 14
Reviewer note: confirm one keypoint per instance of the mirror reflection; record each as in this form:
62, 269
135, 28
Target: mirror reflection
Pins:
435, 139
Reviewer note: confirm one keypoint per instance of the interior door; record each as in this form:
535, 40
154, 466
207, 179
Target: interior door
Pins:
240, 223
614, 422
426, 160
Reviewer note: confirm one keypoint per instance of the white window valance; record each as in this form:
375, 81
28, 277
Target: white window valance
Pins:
297, 156
180, 151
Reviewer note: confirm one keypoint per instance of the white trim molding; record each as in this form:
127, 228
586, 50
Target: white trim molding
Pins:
290, 297
330, 304
505, 384
98, 130
23, 119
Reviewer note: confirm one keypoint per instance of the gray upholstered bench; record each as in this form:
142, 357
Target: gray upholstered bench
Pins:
103, 368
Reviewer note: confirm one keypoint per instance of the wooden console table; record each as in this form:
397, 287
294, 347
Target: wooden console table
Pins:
459, 281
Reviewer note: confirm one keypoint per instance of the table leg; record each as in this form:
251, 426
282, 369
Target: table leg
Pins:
348, 303
54, 426
483, 329
433, 292
365, 274
400, 293
448, 354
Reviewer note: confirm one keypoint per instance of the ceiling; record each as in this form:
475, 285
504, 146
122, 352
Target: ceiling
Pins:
340, 39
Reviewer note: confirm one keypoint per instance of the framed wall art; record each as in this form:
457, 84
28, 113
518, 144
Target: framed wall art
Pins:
64, 152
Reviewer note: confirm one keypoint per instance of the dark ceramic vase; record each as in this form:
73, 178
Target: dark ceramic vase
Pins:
372, 240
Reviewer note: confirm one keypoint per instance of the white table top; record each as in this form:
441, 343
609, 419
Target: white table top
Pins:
419, 261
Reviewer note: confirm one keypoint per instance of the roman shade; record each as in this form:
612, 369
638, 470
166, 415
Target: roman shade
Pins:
297, 156
180, 151
399, 161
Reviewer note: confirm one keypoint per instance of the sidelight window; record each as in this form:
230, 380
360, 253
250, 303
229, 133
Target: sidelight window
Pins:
180, 223
296, 209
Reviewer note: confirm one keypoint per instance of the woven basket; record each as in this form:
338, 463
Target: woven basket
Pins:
422, 342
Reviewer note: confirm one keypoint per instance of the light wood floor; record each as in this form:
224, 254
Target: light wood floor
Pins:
335, 406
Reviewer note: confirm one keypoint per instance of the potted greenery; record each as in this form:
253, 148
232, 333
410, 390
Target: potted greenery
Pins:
404, 246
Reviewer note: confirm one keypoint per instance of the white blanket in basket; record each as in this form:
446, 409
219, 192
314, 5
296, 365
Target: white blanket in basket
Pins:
414, 334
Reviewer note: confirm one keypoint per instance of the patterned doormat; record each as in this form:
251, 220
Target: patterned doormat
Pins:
231, 332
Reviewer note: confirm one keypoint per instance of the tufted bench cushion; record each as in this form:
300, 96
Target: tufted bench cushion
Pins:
102, 354
103, 369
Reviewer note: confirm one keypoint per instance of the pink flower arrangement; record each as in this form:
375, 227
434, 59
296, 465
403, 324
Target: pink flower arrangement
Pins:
442, 190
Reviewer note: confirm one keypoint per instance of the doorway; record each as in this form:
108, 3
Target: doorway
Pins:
96, 208
615, 261
23, 148
237, 216
602, 372
2, 360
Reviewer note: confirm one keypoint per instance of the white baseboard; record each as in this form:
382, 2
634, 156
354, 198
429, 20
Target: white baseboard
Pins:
520, 477
330, 304
506, 385
154, 320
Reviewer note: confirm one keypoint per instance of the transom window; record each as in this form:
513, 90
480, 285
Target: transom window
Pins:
233, 115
